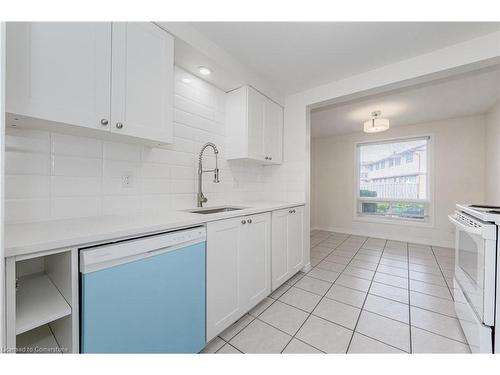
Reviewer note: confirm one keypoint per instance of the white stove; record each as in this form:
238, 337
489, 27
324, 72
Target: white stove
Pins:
476, 286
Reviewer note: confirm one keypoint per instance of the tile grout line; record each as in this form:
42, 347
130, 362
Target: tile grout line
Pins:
366, 297
331, 286
305, 320
442, 274
409, 294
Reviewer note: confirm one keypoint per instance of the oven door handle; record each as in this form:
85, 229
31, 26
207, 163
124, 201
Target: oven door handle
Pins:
466, 228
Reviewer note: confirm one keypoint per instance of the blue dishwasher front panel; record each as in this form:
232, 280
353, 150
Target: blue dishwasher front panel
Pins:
151, 305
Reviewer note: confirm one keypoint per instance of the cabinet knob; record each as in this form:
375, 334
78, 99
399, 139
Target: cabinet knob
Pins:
104, 122
290, 211
267, 157
243, 221
249, 221
119, 125
270, 158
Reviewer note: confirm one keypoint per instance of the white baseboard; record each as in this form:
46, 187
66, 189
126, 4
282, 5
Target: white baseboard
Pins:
402, 237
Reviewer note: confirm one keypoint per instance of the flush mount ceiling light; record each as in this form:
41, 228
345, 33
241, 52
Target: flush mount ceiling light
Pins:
204, 70
376, 124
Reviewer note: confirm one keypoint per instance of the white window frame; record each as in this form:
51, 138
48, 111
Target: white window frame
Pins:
428, 220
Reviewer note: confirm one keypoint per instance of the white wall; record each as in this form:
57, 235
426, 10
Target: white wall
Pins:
54, 176
2, 138
457, 175
493, 155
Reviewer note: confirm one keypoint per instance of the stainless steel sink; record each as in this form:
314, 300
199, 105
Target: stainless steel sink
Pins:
215, 210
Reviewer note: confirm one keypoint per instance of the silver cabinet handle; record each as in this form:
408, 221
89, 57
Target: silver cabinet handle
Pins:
243, 221
249, 221
104, 122
119, 125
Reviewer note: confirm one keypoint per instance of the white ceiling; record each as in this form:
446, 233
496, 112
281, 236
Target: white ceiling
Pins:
463, 95
294, 56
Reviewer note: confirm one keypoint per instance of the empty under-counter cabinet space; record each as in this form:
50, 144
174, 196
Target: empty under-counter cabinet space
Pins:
254, 127
42, 303
96, 78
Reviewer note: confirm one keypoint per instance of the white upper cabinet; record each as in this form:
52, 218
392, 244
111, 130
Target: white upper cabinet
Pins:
287, 244
254, 127
142, 81
114, 77
60, 71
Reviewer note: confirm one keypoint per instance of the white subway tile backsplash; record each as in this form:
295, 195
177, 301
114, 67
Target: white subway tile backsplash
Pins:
27, 186
156, 186
121, 204
118, 168
54, 176
63, 144
68, 186
122, 151
23, 210
27, 140
158, 202
64, 208
76, 166
115, 186
27, 163
155, 170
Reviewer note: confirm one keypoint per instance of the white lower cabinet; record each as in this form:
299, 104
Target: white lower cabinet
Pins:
287, 244
238, 268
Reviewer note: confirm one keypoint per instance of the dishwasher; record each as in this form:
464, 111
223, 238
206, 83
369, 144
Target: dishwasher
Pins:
144, 295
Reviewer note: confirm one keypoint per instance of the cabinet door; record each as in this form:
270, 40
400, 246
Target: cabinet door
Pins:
60, 71
279, 250
142, 81
256, 120
254, 265
223, 263
295, 239
273, 132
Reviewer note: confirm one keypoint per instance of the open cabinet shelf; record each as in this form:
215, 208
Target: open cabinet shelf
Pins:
42, 302
38, 302
38, 340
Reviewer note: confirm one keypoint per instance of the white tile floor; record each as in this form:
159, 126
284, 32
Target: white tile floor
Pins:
363, 295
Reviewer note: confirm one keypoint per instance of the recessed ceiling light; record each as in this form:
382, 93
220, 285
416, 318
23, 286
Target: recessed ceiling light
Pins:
204, 70
186, 80
376, 124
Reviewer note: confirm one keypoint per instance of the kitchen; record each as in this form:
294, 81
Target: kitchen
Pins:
162, 197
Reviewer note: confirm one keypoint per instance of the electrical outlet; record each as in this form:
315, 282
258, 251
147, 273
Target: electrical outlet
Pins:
127, 180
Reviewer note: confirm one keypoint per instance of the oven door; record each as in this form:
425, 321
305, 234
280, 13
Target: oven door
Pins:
475, 260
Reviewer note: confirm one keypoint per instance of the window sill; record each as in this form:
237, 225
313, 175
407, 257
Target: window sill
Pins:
381, 220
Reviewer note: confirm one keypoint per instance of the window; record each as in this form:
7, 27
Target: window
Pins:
394, 193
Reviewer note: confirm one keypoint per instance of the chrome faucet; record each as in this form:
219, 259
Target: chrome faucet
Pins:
200, 197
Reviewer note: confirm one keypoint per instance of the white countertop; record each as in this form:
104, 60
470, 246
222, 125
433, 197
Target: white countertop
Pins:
21, 239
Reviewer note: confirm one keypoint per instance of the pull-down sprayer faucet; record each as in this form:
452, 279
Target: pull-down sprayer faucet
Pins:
200, 197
